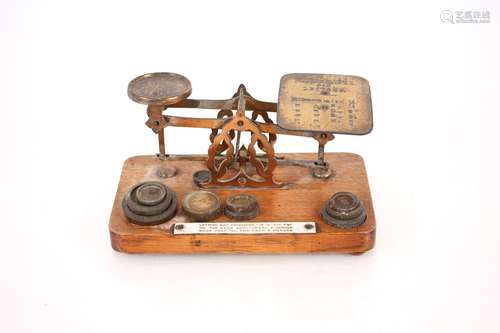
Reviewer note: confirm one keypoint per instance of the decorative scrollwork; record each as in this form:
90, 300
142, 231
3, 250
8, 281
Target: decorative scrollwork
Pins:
271, 136
263, 171
223, 146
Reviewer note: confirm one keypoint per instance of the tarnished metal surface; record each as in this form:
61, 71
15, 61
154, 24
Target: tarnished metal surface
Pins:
159, 88
138, 207
219, 167
150, 194
241, 207
344, 210
325, 103
201, 205
166, 172
322, 172
310, 105
201, 176
149, 203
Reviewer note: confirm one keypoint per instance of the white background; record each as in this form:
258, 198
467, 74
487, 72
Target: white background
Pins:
432, 159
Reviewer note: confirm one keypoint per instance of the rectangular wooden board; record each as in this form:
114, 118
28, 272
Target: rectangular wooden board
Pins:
302, 200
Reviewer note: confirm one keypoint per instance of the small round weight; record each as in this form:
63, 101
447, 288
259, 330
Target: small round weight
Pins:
343, 202
201, 205
241, 207
344, 210
166, 172
201, 176
150, 193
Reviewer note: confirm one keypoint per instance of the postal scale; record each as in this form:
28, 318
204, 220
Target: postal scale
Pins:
242, 196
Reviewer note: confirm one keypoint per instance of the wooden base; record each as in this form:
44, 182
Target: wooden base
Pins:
302, 200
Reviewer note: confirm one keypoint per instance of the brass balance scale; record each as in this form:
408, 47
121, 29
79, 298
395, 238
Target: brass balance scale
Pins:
242, 197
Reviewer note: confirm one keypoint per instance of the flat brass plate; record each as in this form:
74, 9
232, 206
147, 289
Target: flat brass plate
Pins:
244, 228
159, 88
325, 103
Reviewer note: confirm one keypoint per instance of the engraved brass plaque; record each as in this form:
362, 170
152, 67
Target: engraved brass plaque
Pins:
325, 103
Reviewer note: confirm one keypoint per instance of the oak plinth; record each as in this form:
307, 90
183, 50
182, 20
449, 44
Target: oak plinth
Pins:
301, 200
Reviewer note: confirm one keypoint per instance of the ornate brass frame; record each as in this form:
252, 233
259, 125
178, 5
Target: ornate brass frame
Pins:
227, 162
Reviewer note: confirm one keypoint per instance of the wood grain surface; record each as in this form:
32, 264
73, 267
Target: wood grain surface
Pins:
301, 200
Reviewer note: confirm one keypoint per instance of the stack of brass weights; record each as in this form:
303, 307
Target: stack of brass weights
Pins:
344, 210
149, 203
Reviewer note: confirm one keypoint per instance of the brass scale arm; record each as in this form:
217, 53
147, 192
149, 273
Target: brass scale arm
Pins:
229, 104
161, 91
240, 102
249, 104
